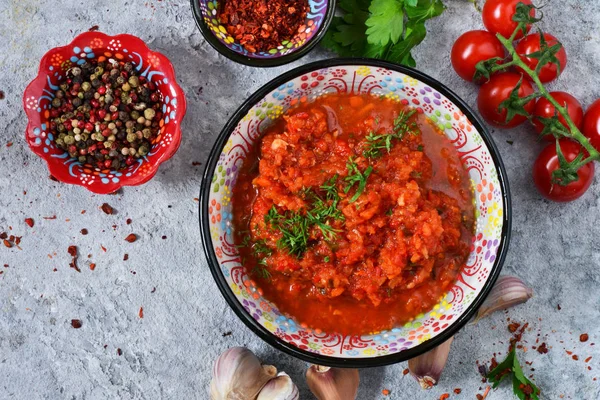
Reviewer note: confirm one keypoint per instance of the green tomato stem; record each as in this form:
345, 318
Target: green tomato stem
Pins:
574, 133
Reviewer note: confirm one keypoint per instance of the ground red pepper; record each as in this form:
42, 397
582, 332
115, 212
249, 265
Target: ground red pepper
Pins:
107, 209
84, 231
261, 25
444, 396
584, 337
141, 313
542, 349
29, 222
131, 238
76, 323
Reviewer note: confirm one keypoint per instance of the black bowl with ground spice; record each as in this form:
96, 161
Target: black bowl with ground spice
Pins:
263, 30
105, 114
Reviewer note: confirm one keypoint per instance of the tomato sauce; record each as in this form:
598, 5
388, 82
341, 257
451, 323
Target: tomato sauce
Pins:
353, 214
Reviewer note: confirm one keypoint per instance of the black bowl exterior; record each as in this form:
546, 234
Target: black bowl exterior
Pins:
365, 361
262, 62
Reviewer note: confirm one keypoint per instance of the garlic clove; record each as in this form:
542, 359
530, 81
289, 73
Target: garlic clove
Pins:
332, 383
427, 368
239, 375
507, 292
279, 388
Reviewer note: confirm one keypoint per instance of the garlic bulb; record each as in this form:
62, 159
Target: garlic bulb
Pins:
427, 368
332, 383
239, 375
280, 388
507, 292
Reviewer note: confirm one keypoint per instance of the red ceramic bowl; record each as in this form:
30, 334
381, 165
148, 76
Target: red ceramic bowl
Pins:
96, 45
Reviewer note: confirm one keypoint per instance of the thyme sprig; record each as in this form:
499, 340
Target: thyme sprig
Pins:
567, 171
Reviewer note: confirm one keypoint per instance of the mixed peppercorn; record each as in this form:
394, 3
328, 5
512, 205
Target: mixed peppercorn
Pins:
105, 115
261, 25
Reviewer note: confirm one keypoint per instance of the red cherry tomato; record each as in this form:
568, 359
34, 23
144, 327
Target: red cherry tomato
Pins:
545, 109
547, 162
498, 89
497, 16
472, 47
530, 44
591, 124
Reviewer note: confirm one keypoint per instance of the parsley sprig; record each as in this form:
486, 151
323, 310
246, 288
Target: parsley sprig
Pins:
523, 388
402, 126
385, 29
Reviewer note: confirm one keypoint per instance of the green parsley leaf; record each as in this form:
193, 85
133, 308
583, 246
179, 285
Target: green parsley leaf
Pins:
523, 388
400, 52
386, 22
422, 10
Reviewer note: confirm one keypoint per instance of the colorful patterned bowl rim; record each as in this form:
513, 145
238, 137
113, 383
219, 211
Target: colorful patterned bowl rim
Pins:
261, 62
62, 172
320, 359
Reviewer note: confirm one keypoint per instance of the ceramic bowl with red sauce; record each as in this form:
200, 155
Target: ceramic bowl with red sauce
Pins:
355, 213
38, 96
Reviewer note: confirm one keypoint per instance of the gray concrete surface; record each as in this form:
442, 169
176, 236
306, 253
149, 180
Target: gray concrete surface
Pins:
168, 354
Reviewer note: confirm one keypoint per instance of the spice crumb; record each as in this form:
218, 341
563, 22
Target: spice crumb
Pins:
132, 237
141, 313
457, 390
385, 392
228, 333
29, 222
7, 243
2, 95
584, 337
9, 144
512, 328
575, 357
125, 257
128, 221
153, 290
94, 28
542, 348
444, 396
107, 209
92, 266
164, 237
84, 231
72, 250
119, 351
588, 359
196, 163
558, 307
76, 323
405, 372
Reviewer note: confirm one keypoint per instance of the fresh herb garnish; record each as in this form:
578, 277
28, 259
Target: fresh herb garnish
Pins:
385, 29
420, 147
402, 126
326, 259
523, 388
294, 228
355, 176
262, 272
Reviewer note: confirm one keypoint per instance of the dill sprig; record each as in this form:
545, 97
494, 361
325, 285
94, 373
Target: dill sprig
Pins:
377, 143
355, 176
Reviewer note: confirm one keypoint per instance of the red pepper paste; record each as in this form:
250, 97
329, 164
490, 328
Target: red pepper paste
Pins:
399, 221
261, 25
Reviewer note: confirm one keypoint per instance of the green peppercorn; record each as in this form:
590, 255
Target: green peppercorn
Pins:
69, 139
149, 113
75, 71
76, 101
108, 144
86, 86
147, 133
134, 115
134, 81
82, 159
56, 102
98, 71
143, 150
131, 137
60, 142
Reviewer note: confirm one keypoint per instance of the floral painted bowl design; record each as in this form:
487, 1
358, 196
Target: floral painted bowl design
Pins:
309, 34
477, 151
40, 92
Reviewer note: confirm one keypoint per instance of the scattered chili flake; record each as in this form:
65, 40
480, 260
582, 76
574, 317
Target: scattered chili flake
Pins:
260, 25
542, 348
512, 328
478, 396
92, 266
107, 209
119, 351
9, 144
228, 333
7, 243
103, 248
76, 323
457, 391
588, 359
72, 250
196, 163
584, 337
52, 217
2, 95
131, 238
385, 392
558, 307
575, 357
52, 178
406, 371
141, 313
164, 237
3, 235
128, 221
94, 28
125, 257
444, 396
84, 231
196, 199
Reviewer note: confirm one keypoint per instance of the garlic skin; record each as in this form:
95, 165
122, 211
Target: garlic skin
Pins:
507, 292
332, 383
279, 388
239, 375
427, 368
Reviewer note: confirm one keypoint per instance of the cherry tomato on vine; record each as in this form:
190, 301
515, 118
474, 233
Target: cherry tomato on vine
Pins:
498, 89
497, 16
545, 109
591, 124
530, 44
547, 162
472, 47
